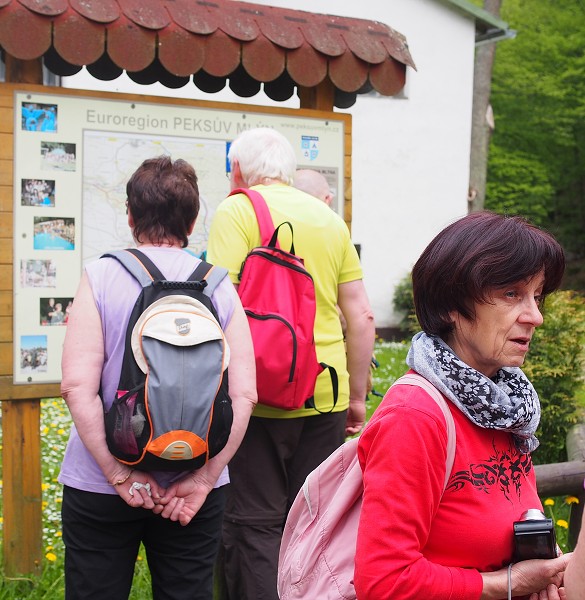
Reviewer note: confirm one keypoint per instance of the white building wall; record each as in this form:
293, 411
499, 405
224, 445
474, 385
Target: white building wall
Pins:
410, 155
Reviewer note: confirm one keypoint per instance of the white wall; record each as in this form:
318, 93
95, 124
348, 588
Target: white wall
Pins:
411, 155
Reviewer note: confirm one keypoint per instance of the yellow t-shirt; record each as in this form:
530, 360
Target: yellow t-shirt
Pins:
322, 239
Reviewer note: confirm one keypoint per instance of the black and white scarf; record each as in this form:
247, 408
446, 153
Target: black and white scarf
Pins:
506, 402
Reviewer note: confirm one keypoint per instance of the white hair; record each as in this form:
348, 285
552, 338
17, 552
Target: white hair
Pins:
263, 153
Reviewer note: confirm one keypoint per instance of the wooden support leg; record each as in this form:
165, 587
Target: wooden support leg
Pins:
22, 495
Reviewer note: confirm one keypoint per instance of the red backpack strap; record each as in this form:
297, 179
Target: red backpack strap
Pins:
263, 217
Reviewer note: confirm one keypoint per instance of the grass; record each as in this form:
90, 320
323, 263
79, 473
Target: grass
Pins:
55, 423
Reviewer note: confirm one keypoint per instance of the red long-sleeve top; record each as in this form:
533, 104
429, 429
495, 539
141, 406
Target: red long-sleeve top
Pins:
414, 541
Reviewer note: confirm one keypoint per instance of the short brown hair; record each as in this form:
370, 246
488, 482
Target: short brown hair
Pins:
471, 257
163, 198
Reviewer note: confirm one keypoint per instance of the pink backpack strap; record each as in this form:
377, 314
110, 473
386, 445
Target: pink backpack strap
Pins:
433, 392
263, 217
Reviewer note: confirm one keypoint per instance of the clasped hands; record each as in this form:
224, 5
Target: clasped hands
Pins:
179, 502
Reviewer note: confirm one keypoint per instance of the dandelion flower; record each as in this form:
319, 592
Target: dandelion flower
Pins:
549, 502
50, 556
571, 500
58, 534
562, 523
45, 486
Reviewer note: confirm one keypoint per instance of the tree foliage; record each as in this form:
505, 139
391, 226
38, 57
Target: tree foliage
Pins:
537, 156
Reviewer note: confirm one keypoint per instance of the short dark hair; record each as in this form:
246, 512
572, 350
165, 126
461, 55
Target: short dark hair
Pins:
163, 198
479, 253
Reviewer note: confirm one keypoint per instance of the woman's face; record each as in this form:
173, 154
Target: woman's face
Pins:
500, 334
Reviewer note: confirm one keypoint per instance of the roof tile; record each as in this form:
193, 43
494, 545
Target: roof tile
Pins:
200, 21
306, 66
46, 8
76, 40
347, 72
151, 15
100, 11
222, 54
23, 33
262, 60
283, 28
130, 47
179, 52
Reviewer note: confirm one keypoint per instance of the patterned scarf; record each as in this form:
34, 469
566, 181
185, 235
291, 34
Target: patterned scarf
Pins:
507, 402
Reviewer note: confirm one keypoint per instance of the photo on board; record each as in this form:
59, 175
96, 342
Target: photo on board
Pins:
54, 233
54, 311
38, 192
58, 156
39, 117
38, 273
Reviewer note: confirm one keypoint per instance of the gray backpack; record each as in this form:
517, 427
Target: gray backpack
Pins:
172, 411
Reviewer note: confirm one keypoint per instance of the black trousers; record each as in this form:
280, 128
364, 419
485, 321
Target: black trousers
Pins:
102, 537
266, 474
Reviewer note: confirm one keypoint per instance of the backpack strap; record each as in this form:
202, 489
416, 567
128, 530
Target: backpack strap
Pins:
137, 264
145, 271
209, 273
265, 223
419, 381
310, 402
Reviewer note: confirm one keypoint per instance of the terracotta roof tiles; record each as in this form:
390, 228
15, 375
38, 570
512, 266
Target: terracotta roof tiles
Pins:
172, 41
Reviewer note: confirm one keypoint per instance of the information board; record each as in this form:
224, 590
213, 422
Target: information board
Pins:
73, 155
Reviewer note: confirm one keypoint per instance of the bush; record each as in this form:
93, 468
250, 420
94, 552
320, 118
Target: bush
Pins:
555, 365
403, 303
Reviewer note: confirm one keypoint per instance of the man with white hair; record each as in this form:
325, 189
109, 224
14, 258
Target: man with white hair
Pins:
281, 447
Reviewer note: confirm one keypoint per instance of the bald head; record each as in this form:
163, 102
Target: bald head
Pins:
312, 182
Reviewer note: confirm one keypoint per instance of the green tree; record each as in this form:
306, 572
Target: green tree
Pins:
537, 156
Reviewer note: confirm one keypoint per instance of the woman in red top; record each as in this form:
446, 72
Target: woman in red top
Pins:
478, 290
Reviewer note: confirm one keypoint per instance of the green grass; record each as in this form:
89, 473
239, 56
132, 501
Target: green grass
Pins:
55, 423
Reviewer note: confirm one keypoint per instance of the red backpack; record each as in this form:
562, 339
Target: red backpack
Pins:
278, 295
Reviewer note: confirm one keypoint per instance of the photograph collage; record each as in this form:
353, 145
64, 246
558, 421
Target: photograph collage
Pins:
48, 229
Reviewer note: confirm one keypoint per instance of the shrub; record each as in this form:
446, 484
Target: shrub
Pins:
555, 365
403, 304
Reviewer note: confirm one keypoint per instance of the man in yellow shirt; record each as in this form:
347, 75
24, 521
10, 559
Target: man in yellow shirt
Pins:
281, 447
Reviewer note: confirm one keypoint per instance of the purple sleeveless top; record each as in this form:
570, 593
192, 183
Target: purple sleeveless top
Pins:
115, 291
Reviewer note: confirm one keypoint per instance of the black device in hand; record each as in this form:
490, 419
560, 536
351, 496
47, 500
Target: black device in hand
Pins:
534, 536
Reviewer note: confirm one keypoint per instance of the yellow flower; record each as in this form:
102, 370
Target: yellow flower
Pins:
48, 548
1, 520
50, 556
571, 500
139, 557
61, 431
562, 523
45, 430
44, 504
58, 500
58, 534
45, 486
549, 502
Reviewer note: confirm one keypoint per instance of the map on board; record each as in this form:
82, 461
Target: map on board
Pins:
109, 159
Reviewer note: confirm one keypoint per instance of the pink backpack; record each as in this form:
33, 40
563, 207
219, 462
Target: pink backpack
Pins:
278, 295
318, 544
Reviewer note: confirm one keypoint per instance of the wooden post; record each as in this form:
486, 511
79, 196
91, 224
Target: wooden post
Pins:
22, 497
576, 451
320, 97
21, 448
